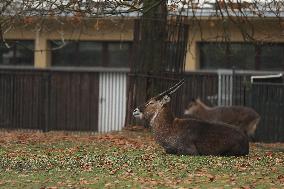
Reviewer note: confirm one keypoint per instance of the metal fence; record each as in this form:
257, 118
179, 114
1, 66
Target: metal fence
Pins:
22, 100
103, 100
65, 99
268, 100
217, 88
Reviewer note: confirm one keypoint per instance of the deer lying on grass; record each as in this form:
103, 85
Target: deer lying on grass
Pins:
242, 117
190, 136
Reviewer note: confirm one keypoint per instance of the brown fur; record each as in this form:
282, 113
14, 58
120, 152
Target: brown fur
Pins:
242, 117
191, 136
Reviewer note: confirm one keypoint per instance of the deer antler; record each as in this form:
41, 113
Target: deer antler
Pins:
172, 89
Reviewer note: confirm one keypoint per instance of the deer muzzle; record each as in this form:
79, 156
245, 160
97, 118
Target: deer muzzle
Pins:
137, 113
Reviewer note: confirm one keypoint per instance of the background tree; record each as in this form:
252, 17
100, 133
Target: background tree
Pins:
229, 12
153, 35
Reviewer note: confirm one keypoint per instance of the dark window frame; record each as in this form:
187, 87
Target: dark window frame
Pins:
258, 56
105, 56
15, 48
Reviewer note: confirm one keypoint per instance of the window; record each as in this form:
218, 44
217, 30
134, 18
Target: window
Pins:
246, 56
91, 53
271, 57
20, 52
118, 54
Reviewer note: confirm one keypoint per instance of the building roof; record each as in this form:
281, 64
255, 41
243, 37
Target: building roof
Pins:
191, 8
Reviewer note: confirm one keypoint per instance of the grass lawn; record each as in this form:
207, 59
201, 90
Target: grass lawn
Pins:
127, 159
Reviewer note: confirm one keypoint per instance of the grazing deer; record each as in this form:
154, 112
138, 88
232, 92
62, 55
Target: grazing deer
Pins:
242, 117
190, 136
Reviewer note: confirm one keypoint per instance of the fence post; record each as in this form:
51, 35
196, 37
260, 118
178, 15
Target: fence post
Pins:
46, 100
233, 84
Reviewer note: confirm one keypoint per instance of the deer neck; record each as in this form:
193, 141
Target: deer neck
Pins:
203, 106
162, 121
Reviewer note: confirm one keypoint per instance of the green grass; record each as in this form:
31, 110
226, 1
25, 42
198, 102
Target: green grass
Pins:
128, 159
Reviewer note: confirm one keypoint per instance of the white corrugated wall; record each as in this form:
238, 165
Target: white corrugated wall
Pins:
112, 101
225, 87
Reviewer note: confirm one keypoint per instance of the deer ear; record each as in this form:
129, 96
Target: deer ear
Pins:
166, 99
198, 100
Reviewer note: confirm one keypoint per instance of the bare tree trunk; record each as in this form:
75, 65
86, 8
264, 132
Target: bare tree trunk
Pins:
153, 35
153, 41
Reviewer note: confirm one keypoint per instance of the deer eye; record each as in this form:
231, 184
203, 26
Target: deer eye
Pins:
151, 102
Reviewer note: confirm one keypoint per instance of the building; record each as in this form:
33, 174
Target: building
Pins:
214, 43
92, 43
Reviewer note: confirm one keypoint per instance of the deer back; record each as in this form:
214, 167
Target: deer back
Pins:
243, 117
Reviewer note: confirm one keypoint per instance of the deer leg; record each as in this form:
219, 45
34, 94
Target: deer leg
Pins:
170, 150
237, 150
189, 150
252, 138
252, 127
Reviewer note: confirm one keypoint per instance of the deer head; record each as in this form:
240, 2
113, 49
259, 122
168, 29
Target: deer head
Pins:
152, 106
193, 106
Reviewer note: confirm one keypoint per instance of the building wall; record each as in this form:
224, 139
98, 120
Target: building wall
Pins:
266, 30
122, 30
95, 30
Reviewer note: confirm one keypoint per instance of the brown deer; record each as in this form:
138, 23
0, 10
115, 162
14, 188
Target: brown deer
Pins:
244, 118
190, 136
